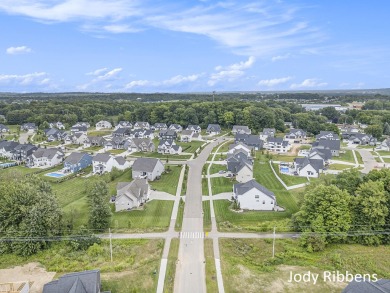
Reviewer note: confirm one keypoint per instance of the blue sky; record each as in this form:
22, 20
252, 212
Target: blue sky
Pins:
193, 46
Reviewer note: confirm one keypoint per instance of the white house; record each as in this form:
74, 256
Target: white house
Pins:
306, 167
194, 128
242, 129
277, 144
175, 127
141, 125
385, 145
241, 168
239, 146
132, 194
296, 134
45, 157
123, 124
186, 135
213, 129
149, 168
103, 125
267, 132
57, 125
253, 196
169, 147
102, 163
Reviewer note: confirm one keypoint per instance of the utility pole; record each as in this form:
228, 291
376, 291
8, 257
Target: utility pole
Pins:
213, 96
109, 230
273, 245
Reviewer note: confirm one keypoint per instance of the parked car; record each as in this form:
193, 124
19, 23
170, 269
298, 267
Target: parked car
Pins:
222, 172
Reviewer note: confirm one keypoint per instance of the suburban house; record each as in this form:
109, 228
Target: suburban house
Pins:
240, 154
296, 134
53, 134
140, 145
250, 140
80, 282
196, 136
82, 124
306, 167
240, 167
76, 162
45, 157
77, 138
123, 124
102, 163
3, 128
213, 129
253, 196
78, 129
148, 168
94, 141
277, 144
7, 148
160, 126
266, 133
57, 125
239, 146
167, 134
332, 145
194, 128
141, 125
103, 125
241, 129
132, 194
175, 127
22, 151
186, 135
385, 145
141, 133
116, 143
122, 132
30, 127
362, 139
362, 286
169, 147
320, 154
330, 135
347, 131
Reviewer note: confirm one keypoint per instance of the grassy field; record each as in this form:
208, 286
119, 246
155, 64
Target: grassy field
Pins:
206, 216
168, 181
247, 264
162, 157
211, 275
17, 170
339, 167
155, 216
377, 159
190, 147
180, 213
171, 266
135, 262
215, 168
359, 157
283, 158
224, 148
386, 160
347, 157
116, 151
287, 179
99, 132
222, 184
205, 189
93, 149
384, 153
184, 184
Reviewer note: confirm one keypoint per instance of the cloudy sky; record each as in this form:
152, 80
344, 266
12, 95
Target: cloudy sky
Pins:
194, 45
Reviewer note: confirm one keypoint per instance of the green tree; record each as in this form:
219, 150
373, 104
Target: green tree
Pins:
348, 180
228, 118
375, 130
100, 212
386, 129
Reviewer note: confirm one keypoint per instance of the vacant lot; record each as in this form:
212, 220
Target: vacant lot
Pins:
211, 275
134, 268
248, 266
168, 181
347, 157
222, 184
190, 147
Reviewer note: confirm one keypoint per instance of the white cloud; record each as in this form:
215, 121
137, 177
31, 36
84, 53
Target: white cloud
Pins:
18, 50
137, 83
101, 75
112, 74
120, 28
309, 83
97, 71
274, 82
36, 78
178, 79
280, 57
231, 72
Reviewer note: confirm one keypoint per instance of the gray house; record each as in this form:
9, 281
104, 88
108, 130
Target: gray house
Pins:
380, 286
213, 129
131, 194
148, 168
80, 282
241, 129
332, 145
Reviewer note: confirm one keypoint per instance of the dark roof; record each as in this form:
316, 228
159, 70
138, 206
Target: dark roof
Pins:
121, 160
74, 158
329, 144
80, 282
241, 188
327, 135
275, 139
317, 164
186, 132
105, 157
380, 286
213, 128
326, 154
236, 163
145, 164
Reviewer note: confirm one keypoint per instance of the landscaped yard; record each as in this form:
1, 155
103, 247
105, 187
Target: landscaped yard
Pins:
288, 179
211, 275
205, 188
339, 167
221, 184
162, 157
215, 168
359, 157
99, 132
282, 158
168, 181
155, 216
347, 156
134, 266
248, 266
17, 170
190, 147
171, 266
224, 147
116, 151
94, 149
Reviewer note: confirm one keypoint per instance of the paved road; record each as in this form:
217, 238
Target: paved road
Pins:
368, 160
190, 270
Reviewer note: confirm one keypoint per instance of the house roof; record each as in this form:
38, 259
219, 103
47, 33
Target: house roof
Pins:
275, 139
120, 160
329, 144
168, 132
234, 145
159, 125
136, 188
297, 131
241, 188
104, 157
380, 286
327, 135
47, 153
326, 154
317, 164
186, 132
191, 126
80, 282
167, 142
145, 164
74, 158
237, 163
213, 128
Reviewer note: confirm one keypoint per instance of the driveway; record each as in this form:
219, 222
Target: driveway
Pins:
368, 160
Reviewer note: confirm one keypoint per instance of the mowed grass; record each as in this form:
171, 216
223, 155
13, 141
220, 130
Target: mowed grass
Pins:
206, 215
171, 266
17, 171
221, 184
339, 167
179, 218
384, 153
215, 168
211, 275
205, 188
347, 157
359, 157
283, 158
132, 270
99, 132
190, 147
168, 181
248, 266
155, 216
162, 157
289, 180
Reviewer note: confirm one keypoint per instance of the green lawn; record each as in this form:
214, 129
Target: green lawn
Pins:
93, 149
387, 160
99, 132
160, 156
224, 148
135, 262
205, 188
116, 151
190, 147
180, 213
206, 216
17, 170
211, 275
359, 157
171, 266
347, 157
283, 158
339, 167
168, 181
215, 168
248, 266
384, 153
377, 159
287, 179
222, 184
155, 216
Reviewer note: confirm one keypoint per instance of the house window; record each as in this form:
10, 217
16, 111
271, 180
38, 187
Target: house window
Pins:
263, 201
309, 173
256, 196
272, 202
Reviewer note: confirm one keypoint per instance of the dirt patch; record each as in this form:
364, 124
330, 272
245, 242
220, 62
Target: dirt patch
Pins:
31, 272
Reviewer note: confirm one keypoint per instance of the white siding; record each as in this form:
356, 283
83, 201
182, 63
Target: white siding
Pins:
256, 200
